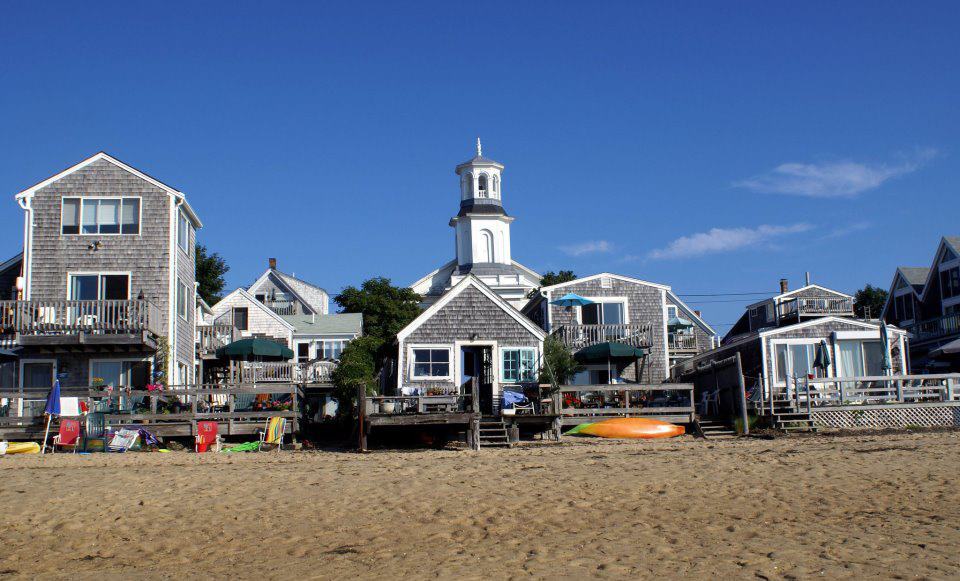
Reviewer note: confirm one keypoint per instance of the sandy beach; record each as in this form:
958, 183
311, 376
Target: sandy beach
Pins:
856, 506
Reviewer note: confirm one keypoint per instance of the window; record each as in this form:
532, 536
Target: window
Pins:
671, 311
183, 232
482, 186
431, 363
606, 282
333, 349
240, 318
904, 307
132, 374
468, 185
602, 313
518, 365
496, 184
486, 247
859, 358
93, 287
795, 360
950, 283
181, 299
100, 216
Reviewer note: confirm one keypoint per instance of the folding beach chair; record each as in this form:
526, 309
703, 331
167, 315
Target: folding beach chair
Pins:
123, 440
68, 436
208, 434
273, 434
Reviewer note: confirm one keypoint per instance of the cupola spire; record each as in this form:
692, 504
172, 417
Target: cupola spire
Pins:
479, 150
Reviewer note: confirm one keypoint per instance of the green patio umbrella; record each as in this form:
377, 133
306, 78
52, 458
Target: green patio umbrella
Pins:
822, 358
887, 364
253, 348
679, 323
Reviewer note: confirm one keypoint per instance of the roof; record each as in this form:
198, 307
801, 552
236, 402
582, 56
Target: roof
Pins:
691, 313
481, 269
471, 281
478, 160
953, 243
471, 207
337, 324
102, 155
605, 274
796, 290
13, 261
251, 299
915, 275
285, 279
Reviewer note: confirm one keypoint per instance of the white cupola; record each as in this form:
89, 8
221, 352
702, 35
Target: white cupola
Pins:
482, 226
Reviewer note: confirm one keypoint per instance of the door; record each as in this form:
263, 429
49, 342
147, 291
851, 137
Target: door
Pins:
486, 380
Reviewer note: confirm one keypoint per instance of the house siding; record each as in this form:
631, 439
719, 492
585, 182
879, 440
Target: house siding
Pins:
645, 304
260, 323
824, 331
145, 256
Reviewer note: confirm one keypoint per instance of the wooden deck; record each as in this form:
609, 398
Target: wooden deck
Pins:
668, 402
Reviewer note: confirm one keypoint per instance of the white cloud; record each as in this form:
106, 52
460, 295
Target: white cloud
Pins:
848, 229
840, 179
719, 240
589, 247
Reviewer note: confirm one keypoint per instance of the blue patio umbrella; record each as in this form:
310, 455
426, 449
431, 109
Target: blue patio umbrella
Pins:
51, 409
571, 300
679, 323
887, 364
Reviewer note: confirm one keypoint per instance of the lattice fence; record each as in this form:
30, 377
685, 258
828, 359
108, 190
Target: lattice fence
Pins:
899, 417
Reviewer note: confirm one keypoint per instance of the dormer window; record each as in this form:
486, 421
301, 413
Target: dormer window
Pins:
482, 186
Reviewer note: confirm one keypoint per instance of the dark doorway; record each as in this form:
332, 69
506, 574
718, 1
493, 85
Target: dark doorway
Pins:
477, 375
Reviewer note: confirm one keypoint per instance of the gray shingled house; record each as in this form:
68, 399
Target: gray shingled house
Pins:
926, 302
623, 310
469, 332
107, 279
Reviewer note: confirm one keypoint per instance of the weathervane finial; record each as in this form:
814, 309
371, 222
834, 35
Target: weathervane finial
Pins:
479, 151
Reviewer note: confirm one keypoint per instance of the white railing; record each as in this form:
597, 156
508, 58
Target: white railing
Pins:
936, 328
680, 342
60, 317
212, 337
874, 389
812, 306
579, 336
246, 372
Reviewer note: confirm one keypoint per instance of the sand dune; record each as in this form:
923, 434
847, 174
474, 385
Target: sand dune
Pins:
879, 506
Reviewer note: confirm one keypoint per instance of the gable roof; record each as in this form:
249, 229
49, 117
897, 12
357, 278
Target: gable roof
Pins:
13, 261
830, 319
781, 296
280, 277
336, 324
102, 155
915, 277
249, 297
467, 282
608, 275
951, 242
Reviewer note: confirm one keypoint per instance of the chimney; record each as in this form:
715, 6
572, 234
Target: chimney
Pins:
273, 263
784, 287
697, 313
808, 278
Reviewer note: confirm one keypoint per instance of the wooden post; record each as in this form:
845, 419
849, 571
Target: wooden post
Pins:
899, 390
840, 387
743, 397
949, 389
362, 418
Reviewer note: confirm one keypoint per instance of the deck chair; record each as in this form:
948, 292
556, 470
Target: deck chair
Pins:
123, 440
272, 435
208, 434
68, 436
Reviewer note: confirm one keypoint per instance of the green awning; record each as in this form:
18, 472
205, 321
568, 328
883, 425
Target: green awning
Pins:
255, 349
606, 351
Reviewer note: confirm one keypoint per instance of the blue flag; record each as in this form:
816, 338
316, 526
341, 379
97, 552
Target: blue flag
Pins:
53, 400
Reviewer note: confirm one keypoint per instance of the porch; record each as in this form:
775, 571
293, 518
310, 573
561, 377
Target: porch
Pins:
213, 337
576, 337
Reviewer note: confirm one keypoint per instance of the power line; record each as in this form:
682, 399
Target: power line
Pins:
722, 301
722, 294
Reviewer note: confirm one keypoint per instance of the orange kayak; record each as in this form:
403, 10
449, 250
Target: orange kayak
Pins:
630, 428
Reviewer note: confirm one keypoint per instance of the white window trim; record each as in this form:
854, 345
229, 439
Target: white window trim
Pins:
99, 274
623, 300
775, 375
80, 218
536, 359
411, 373
185, 316
182, 218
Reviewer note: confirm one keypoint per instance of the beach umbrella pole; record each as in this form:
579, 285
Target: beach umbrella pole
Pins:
46, 433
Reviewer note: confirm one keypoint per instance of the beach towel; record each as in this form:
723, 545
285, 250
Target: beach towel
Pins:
512, 398
245, 447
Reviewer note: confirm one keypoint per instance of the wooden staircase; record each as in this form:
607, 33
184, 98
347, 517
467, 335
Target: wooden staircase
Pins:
788, 418
715, 430
493, 433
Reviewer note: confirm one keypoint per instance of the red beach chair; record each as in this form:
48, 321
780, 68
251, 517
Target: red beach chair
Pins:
208, 434
68, 436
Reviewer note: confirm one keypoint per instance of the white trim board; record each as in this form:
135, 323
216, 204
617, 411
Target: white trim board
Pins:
619, 277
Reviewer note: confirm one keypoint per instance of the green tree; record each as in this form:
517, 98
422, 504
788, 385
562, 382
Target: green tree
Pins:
357, 368
211, 269
868, 302
559, 365
551, 278
386, 308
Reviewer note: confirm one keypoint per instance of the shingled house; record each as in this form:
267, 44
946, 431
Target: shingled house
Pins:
107, 280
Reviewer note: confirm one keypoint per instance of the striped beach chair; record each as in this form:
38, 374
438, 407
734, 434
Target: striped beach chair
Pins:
273, 434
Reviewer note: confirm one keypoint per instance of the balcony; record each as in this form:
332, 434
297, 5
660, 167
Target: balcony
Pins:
67, 322
815, 307
281, 307
576, 337
682, 343
212, 337
935, 328
313, 372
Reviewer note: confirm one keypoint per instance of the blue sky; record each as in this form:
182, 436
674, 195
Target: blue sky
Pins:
714, 147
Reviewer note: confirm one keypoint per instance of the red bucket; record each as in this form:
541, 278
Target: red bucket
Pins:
202, 446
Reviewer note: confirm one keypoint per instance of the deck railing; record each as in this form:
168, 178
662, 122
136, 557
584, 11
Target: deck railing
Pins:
871, 390
682, 342
212, 337
59, 317
579, 336
283, 371
815, 306
419, 404
936, 328
281, 307
627, 400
